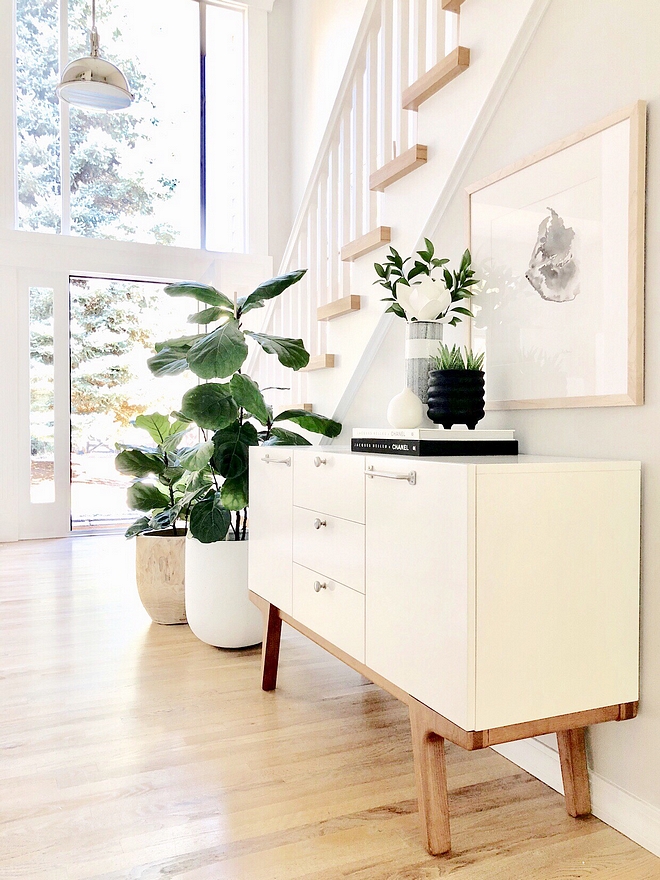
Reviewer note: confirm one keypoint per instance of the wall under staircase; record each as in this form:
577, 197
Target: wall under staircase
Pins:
410, 52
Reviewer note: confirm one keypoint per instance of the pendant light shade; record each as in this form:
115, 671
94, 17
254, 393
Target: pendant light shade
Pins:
92, 82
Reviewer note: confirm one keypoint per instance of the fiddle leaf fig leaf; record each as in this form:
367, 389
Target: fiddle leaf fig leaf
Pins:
145, 496
156, 424
135, 463
164, 520
234, 492
232, 445
202, 293
310, 422
220, 353
139, 526
268, 290
282, 437
210, 520
290, 352
198, 457
211, 405
208, 316
167, 362
246, 393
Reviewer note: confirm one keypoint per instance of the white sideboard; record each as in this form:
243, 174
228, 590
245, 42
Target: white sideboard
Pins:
498, 597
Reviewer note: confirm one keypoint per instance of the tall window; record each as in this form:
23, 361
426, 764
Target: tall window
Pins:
146, 174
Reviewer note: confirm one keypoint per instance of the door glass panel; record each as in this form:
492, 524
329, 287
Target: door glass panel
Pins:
114, 325
42, 396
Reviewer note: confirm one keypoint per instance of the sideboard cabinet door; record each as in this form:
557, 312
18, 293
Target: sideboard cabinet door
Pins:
271, 525
418, 581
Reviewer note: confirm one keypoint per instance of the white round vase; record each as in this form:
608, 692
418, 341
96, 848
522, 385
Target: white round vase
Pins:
405, 410
217, 605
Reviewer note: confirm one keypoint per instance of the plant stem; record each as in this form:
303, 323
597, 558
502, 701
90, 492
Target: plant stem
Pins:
237, 526
245, 520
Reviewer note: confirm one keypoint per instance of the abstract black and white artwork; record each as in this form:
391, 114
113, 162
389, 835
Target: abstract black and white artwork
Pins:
557, 240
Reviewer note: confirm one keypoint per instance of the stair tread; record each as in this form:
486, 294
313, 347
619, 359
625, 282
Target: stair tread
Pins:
436, 78
338, 307
371, 240
319, 362
399, 167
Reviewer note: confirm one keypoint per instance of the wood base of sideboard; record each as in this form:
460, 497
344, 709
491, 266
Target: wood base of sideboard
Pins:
430, 730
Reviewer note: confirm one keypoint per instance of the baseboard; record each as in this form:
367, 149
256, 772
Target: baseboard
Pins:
621, 810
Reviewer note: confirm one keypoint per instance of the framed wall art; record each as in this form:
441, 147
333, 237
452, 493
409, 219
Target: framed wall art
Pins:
558, 239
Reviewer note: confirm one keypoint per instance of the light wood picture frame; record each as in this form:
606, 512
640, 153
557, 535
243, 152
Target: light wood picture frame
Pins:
558, 239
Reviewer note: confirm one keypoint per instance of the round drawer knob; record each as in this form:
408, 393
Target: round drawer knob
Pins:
318, 586
319, 461
319, 522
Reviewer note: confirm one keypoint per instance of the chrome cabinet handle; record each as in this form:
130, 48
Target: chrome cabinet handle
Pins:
319, 522
318, 586
410, 477
269, 460
319, 461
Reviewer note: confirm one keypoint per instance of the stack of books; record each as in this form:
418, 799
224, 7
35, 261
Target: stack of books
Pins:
433, 441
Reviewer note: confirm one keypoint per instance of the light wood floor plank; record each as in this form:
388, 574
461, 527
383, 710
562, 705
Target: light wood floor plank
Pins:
131, 751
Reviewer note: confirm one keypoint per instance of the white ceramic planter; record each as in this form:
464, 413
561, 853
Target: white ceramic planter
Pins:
217, 605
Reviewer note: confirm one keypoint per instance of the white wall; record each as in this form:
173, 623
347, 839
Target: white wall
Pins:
322, 36
586, 60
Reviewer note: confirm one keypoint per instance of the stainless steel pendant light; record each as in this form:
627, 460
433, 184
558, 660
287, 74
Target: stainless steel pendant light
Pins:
92, 82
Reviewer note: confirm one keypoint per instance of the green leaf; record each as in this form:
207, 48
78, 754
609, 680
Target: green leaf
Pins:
136, 463
209, 520
139, 526
311, 422
210, 406
418, 269
181, 344
465, 260
425, 255
167, 362
207, 316
235, 492
380, 270
449, 281
436, 262
170, 476
429, 247
157, 426
282, 437
164, 520
290, 352
268, 290
201, 292
462, 311
246, 393
396, 308
220, 353
145, 496
198, 457
232, 449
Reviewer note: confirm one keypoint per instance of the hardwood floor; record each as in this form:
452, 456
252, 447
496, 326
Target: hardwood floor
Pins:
132, 751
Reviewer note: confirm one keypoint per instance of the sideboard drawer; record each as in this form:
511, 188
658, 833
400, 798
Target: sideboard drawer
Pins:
332, 610
335, 548
329, 482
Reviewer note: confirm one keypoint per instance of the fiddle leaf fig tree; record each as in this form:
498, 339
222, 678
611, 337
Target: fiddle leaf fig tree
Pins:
212, 494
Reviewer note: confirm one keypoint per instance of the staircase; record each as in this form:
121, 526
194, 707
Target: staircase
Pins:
386, 171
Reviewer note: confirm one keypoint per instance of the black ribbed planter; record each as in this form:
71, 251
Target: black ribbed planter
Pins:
456, 397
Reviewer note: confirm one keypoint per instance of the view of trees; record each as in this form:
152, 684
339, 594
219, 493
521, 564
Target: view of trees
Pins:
110, 196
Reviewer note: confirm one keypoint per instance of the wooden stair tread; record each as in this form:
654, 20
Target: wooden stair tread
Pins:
319, 362
338, 307
436, 78
452, 5
368, 242
308, 407
398, 168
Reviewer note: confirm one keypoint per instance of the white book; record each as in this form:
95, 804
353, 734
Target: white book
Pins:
431, 434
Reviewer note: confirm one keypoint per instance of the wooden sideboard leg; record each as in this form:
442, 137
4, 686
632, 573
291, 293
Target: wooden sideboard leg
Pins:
270, 650
575, 774
431, 781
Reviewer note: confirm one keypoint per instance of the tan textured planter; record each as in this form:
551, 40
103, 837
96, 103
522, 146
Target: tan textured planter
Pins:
160, 572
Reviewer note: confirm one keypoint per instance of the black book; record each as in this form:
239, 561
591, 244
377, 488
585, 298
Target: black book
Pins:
434, 447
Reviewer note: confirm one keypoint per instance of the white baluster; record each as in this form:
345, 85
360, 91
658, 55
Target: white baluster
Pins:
345, 172
372, 124
404, 59
334, 224
385, 151
452, 21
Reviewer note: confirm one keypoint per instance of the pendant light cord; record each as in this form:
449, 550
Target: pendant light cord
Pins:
94, 36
